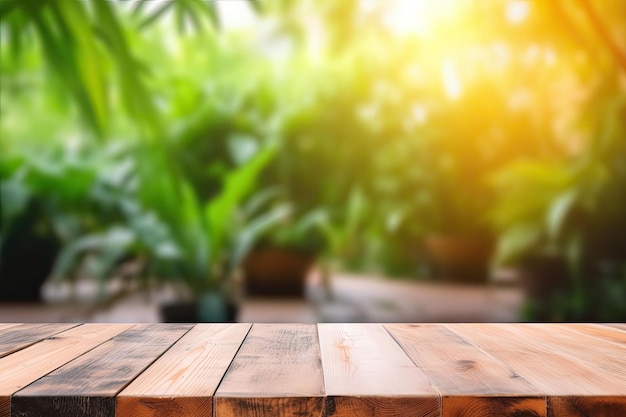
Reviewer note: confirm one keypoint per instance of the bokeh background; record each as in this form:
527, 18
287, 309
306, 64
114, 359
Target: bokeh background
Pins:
300, 160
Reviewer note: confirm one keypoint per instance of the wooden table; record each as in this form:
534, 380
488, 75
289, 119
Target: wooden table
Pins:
473, 370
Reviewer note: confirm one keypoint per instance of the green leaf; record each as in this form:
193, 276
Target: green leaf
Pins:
7, 7
110, 245
237, 185
558, 211
156, 14
60, 52
211, 12
516, 242
248, 236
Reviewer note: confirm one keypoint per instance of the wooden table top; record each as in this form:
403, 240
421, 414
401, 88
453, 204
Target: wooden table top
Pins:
473, 370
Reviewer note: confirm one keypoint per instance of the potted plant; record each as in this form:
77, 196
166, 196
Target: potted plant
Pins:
448, 209
212, 237
197, 246
281, 261
530, 217
45, 195
562, 223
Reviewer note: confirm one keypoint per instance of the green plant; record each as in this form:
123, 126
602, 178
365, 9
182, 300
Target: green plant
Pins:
88, 49
573, 210
51, 197
211, 237
302, 233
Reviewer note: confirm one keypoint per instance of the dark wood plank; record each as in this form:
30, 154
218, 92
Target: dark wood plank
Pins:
18, 337
587, 406
573, 387
367, 373
87, 386
276, 373
183, 380
471, 382
27, 365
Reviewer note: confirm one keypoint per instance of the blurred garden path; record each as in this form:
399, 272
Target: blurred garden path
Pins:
356, 299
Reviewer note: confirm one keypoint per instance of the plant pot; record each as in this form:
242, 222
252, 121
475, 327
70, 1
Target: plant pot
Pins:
209, 308
277, 271
26, 261
460, 258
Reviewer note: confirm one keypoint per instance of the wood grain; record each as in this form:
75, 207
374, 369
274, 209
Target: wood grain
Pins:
608, 357
183, 380
29, 364
366, 373
619, 326
87, 385
606, 333
277, 372
330, 370
472, 383
592, 406
562, 377
18, 337
4, 326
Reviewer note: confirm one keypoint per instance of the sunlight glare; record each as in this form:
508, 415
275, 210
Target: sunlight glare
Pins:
236, 14
451, 81
517, 11
404, 17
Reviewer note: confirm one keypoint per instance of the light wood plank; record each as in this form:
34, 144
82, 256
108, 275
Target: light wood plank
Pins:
367, 373
88, 384
23, 335
608, 357
471, 382
29, 364
4, 326
573, 387
182, 381
277, 372
620, 326
613, 335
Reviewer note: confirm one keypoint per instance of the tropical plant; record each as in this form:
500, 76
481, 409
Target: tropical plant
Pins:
55, 195
573, 210
87, 48
211, 237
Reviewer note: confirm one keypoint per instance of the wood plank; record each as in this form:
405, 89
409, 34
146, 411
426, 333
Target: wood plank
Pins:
29, 364
23, 335
4, 326
366, 373
573, 387
603, 355
182, 381
277, 372
88, 384
589, 406
610, 334
471, 382
620, 326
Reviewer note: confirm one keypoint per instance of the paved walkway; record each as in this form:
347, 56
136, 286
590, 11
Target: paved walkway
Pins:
356, 299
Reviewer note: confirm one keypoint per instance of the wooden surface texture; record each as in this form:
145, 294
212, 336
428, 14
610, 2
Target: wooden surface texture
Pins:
277, 372
471, 381
322, 370
182, 382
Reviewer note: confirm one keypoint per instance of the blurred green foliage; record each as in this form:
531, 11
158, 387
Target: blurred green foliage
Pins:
387, 121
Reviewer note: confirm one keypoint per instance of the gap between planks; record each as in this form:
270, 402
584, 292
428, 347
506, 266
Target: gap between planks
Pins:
183, 380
